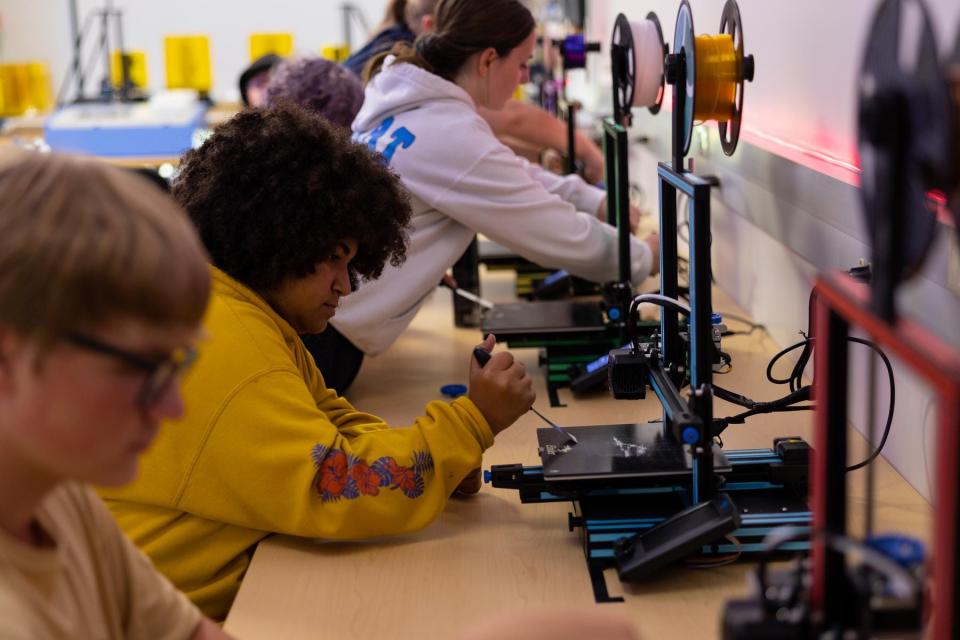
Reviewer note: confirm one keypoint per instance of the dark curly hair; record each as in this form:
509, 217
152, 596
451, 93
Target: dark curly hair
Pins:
273, 190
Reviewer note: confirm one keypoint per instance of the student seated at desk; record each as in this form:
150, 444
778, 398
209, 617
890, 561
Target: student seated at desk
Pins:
419, 111
525, 128
392, 29
293, 214
103, 284
254, 79
320, 85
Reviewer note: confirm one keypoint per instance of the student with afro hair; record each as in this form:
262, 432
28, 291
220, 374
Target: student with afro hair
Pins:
293, 215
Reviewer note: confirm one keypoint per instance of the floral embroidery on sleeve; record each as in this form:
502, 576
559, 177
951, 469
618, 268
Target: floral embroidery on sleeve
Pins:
341, 475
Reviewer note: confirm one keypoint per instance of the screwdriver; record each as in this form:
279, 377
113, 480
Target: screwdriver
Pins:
472, 297
483, 357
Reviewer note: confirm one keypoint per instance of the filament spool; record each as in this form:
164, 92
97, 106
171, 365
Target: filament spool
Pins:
716, 78
638, 79
574, 49
903, 135
715, 70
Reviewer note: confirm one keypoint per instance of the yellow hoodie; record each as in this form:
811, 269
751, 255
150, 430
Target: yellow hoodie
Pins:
265, 447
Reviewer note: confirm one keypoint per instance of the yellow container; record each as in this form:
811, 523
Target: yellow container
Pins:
261, 44
335, 52
24, 86
188, 62
13, 88
40, 86
137, 69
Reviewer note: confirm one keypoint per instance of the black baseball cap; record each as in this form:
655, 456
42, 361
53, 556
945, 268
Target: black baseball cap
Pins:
258, 66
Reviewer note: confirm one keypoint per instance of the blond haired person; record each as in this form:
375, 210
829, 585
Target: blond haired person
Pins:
102, 287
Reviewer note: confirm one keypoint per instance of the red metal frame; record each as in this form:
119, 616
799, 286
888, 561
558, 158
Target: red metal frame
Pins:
843, 303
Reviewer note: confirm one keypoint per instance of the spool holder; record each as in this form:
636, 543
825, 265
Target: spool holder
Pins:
731, 24
905, 145
953, 77
573, 54
681, 68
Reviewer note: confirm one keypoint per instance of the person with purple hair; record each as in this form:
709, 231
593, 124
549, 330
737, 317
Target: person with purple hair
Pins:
319, 85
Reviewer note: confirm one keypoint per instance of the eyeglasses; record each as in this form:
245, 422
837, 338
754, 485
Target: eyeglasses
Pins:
160, 373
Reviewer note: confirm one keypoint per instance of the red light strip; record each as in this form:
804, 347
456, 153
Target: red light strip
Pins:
836, 167
854, 169
850, 171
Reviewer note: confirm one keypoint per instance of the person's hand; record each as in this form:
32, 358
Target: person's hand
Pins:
602, 210
592, 158
552, 160
502, 390
470, 485
634, 214
449, 281
653, 241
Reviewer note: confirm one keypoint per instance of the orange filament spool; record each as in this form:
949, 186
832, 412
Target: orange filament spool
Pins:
717, 78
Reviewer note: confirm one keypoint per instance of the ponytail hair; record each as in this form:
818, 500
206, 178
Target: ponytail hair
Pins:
463, 28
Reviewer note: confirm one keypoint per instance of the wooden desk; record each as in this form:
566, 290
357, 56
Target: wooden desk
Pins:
490, 554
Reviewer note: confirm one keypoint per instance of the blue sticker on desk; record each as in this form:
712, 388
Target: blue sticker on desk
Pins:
453, 390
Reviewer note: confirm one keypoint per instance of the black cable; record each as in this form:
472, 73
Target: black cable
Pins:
740, 418
886, 427
726, 360
785, 403
798, 392
793, 374
731, 396
807, 344
796, 375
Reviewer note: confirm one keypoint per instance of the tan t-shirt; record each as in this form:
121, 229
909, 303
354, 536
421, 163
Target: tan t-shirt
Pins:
91, 583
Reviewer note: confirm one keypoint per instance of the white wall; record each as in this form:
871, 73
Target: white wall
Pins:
39, 29
777, 221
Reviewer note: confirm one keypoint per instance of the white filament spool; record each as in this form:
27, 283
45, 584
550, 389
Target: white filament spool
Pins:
648, 56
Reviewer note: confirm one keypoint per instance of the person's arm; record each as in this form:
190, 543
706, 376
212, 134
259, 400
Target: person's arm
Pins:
278, 460
524, 149
533, 125
585, 197
634, 214
500, 198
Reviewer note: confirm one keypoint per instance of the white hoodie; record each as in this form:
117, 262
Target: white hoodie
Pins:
463, 181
